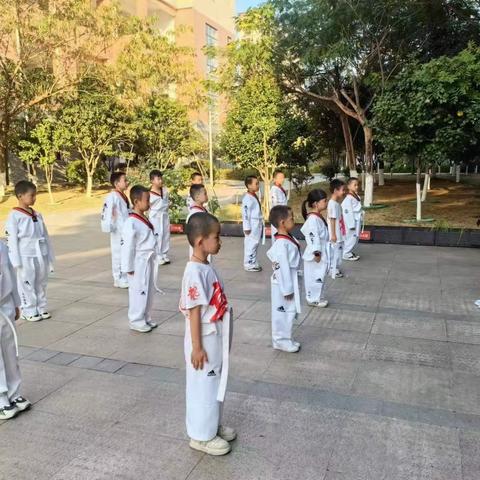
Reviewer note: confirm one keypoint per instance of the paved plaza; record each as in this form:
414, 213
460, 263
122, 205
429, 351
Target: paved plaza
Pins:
386, 386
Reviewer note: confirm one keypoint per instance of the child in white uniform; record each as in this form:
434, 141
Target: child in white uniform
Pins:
115, 212
11, 402
30, 252
315, 256
336, 226
253, 225
199, 196
138, 259
207, 339
285, 257
158, 215
196, 179
353, 216
278, 195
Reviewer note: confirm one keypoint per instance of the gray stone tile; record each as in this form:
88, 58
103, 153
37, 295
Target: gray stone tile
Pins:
109, 365
470, 448
24, 351
466, 392
133, 370
464, 332
41, 355
84, 313
262, 311
356, 321
86, 361
465, 357
44, 333
63, 358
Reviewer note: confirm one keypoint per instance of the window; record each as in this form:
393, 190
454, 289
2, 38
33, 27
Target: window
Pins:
211, 35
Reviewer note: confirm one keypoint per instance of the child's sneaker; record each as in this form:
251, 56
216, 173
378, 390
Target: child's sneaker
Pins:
21, 403
351, 257
292, 348
142, 329
6, 413
477, 303
161, 261
32, 318
216, 446
256, 268
46, 315
319, 304
227, 433
166, 260
152, 324
120, 284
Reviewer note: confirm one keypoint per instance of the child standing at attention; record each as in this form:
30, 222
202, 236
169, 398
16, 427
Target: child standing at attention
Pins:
336, 226
138, 257
207, 339
278, 195
11, 402
30, 252
196, 179
115, 212
285, 257
353, 215
159, 204
315, 256
253, 225
199, 197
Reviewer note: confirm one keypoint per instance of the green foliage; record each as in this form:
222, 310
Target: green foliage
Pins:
329, 169
76, 173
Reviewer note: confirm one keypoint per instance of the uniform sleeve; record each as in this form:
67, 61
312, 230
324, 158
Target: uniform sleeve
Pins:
348, 214
332, 213
51, 255
15, 295
246, 215
283, 272
128, 248
274, 200
107, 215
11, 230
195, 290
313, 238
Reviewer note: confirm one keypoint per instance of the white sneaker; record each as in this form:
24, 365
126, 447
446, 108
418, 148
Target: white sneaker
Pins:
161, 261
319, 304
120, 284
257, 268
216, 446
46, 315
21, 403
339, 274
6, 413
477, 303
152, 324
143, 329
292, 348
227, 433
166, 259
350, 257
297, 344
32, 318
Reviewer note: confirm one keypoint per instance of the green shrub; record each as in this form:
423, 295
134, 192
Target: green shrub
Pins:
77, 174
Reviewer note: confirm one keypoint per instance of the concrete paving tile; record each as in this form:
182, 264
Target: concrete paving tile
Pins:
466, 392
108, 365
340, 319
63, 358
174, 325
40, 354
262, 311
253, 332
44, 333
116, 297
86, 361
470, 449
84, 313
133, 369
465, 357
250, 361
464, 332
24, 351
418, 302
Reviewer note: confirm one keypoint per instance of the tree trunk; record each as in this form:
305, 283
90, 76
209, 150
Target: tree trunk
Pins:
89, 184
368, 134
425, 185
430, 175
381, 176
362, 180
419, 194
3, 161
349, 148
457, 173
368, 198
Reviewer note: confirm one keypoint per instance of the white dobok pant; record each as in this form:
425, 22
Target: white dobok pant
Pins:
352, 238
10, 378
116, 246
336, 256
32, 279
161, 225
284, 313
314, 277
250, 247
204, 411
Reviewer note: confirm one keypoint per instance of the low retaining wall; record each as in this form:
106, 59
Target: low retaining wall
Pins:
374, 234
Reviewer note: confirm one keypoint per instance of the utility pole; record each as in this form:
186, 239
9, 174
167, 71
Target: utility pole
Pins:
210, 144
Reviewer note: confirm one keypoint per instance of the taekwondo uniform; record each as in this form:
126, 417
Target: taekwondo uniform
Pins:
334, 210
138, 255
194, 208
278, 196
285, 257
10, 378
115, 212
206, 388
158, 215
31, 254
353, 216
252, 220
315, 231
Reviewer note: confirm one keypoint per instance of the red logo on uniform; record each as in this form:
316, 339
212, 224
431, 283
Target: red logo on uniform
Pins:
342, 226
219, 301
193, 293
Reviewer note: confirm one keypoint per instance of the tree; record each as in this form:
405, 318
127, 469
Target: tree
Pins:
48, 140
432, 112
94, 125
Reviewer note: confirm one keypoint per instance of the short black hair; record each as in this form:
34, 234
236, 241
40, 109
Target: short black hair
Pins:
196, 189
249, 179
277, 171
279, 213
195, 174
136, 193
24, 186
335, 184
352, 179
116, 176
155, 173
200, 224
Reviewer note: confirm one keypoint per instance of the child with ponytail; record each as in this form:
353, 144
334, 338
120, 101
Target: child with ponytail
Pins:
315, 256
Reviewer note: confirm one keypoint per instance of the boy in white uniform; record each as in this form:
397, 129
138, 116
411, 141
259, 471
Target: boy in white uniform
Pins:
336, 226
30, 252
115, 212
315, 256
196, 179
158, 215
138, 259
199, 197
353, 216
285, 257
253, 224
10, 379
207, 339
278, 195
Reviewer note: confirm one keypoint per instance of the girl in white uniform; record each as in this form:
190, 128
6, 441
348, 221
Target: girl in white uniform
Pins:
336, 227
158, 215
253, 225
315, 256
11, 402
278, 196
114, 214
353, 216
138, 259
208, 326
285, 257
31, 253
